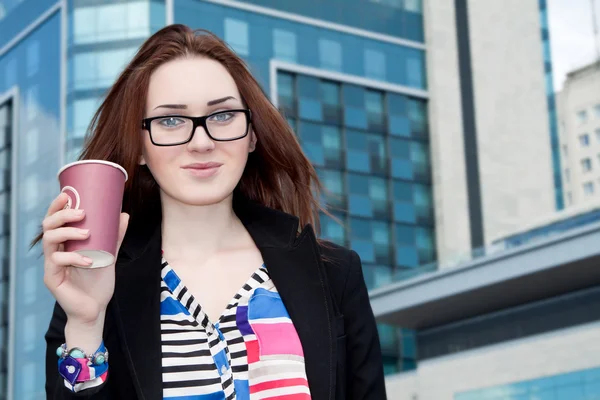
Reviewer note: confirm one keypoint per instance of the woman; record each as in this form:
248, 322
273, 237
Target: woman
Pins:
220, 289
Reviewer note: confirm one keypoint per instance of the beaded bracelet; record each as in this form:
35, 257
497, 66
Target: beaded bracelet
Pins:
74, 362
98, 358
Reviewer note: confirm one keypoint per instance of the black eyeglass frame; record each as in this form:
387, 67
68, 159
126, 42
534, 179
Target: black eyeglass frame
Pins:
198, 121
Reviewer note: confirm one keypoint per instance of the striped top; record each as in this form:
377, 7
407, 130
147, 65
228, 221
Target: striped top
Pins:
252, 352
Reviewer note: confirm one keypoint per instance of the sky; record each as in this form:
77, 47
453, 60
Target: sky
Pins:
571, 35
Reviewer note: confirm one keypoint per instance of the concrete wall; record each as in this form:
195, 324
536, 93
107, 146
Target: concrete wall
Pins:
542, 355
515, 163
511, 120
446, 130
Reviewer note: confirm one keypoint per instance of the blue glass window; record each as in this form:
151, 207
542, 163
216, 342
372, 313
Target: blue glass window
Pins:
404, 208
330, 97
285, 85
568, 386
10, 74
108, 22
84, 24
415, 6
32, 101
332, 145
330, 93
417, 114
375, 64
425, 245
382, 275
84, 70
366, 152
333, 230
419, 153
111, 20
29, 332
310, 109
415, 68
332, 180
423, 201
33, 57
359, 201
375, 111
311, 140
284, 45
236, 35
401, 159
286, 93
330, 54
381, 241
83, 111
355, 115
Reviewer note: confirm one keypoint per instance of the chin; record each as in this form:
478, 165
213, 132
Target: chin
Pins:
204, 199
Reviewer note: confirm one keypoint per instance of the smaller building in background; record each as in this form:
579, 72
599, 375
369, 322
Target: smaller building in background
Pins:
579, 123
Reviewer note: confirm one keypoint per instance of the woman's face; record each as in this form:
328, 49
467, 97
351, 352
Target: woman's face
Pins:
202, 171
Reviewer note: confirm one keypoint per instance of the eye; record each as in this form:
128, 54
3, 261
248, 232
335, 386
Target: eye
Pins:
171, 122
221, 117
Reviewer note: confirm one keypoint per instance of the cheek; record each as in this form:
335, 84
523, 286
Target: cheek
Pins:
159, 159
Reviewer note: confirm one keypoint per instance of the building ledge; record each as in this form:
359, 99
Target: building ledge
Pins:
554, 266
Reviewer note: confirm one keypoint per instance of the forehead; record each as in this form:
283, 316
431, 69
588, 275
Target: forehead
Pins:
191, 81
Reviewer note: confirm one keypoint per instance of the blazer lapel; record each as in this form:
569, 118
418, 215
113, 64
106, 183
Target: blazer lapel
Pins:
137, 307
296, 269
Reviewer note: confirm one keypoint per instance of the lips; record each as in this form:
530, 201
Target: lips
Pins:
202, 166
202, 170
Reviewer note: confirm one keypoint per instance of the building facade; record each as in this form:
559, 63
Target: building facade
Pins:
579, 122
409, 111
355, 90
488, 114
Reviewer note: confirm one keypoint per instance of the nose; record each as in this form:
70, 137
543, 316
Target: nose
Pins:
201, 142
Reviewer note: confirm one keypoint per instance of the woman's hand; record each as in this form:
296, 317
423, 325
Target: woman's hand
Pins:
81, 292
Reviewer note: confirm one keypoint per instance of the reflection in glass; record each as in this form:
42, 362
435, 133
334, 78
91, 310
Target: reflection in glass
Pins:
330, 54
33, 57
284, 45
236, 35
374, 64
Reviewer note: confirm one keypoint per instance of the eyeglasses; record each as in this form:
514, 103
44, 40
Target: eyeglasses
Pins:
221, 126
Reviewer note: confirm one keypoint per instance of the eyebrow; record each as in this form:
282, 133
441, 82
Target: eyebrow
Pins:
221, 100
184, 107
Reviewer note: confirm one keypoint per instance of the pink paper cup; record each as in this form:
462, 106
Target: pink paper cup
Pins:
95, 186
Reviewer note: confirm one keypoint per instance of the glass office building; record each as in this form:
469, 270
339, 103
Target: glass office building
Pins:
576, 385
348, 75
551, 101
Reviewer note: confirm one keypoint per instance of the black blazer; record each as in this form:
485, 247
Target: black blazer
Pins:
322, 287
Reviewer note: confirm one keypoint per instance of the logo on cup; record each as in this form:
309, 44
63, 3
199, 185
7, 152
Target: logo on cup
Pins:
71, 192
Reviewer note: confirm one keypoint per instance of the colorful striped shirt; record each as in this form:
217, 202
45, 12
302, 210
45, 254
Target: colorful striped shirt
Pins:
252, 352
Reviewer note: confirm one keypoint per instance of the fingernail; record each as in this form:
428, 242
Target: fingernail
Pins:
84, 231
88, 260
78, 212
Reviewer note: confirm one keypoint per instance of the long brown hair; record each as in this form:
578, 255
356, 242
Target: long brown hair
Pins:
277, 174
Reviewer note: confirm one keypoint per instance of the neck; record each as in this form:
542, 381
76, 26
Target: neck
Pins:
197, 232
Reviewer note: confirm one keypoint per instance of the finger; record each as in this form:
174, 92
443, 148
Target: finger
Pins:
54, 237
59, 218
123, 224
58, 203
70, 258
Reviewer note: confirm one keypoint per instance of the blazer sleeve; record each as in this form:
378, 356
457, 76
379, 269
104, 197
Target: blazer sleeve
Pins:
364, 366
55, 384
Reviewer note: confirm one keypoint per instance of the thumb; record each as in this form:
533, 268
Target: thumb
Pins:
123, 223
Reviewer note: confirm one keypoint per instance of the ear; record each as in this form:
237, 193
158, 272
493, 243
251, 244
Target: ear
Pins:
253, 140
142, 160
